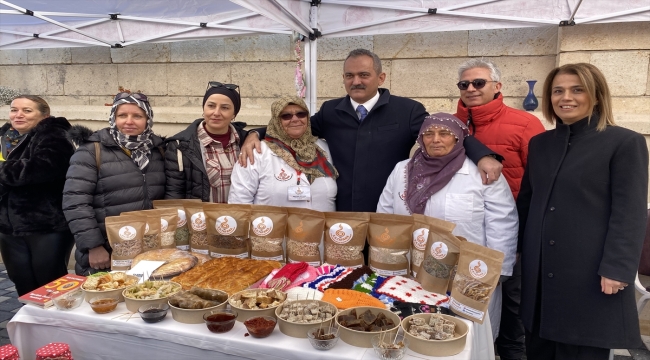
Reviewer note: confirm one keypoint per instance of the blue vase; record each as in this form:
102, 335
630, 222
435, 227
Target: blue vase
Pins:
530, 102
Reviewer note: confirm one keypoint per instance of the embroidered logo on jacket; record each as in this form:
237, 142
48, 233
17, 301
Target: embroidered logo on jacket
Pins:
282, 176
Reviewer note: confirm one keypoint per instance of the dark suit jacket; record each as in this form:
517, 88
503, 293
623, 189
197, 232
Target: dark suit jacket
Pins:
582, 214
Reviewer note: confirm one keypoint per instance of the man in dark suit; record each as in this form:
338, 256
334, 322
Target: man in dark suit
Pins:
369, 131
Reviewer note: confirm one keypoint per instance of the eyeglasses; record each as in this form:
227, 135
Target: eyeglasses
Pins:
477, 83
124, 95
216, 84
299, 115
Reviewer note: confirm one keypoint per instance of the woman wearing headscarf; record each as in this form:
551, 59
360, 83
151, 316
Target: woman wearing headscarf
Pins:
34, 238
200, 159
583, 216
117, 169
294, 169
441, 182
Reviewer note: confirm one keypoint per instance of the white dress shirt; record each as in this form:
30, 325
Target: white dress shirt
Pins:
368, 104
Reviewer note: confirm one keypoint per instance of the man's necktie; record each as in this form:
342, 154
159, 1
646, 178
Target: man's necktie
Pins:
362, 112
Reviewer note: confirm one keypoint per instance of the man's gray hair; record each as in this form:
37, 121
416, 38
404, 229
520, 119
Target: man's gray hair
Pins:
376, 62
495, 73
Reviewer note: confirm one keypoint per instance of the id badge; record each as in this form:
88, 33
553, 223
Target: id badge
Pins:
299, 193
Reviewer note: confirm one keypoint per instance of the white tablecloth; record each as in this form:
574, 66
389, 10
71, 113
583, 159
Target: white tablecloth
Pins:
119, 336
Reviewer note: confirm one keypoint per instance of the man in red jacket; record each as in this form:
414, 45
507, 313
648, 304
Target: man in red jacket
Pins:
505, 131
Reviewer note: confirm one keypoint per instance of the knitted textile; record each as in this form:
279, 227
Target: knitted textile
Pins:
287, 274
54, 350
310, 274
408, 290
404, 309
9, 352
345, 299
326, 277
301, 293
347, 281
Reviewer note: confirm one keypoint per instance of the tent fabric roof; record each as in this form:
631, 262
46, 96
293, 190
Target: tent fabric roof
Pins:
89, 23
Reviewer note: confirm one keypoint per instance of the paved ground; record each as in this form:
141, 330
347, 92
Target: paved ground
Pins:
9, 304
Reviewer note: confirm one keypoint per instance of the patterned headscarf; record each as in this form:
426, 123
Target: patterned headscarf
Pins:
301, 154
426, 175
139, 145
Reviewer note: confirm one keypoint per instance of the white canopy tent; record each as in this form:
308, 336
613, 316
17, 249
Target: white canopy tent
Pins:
120, 23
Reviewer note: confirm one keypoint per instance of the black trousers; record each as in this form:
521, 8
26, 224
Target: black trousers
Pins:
35, 260
542, 349
510, 342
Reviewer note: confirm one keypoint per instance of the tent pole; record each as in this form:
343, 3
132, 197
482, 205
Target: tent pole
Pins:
57, 31
291, 15
616, 14
44, 18
313, 58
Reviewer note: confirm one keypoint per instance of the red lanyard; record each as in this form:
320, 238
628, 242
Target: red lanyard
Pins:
298, 173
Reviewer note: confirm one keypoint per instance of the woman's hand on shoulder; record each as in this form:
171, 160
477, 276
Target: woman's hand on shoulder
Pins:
610, 287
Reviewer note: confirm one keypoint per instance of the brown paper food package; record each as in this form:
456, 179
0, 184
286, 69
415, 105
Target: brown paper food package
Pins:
152, 238
125, 235
228, 226
479, 269
345, 237
267, 229
440, 257
197, 225
389, 237
304, 235
182, 235
421, 225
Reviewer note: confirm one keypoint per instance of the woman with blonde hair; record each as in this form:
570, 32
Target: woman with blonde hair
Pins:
582, 212
34, 237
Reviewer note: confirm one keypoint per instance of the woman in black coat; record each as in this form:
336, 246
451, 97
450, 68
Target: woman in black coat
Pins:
116, 169
201, 158
582, 213
34, 238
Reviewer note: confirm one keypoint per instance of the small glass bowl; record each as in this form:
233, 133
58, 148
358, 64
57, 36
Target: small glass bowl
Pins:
220, 321
326, 344
153, 313
260, 331
103, 304
69, 301
386, 352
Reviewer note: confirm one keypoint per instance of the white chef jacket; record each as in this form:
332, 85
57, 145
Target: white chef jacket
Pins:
483, 214
267, 182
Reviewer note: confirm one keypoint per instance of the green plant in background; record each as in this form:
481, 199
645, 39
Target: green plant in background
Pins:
7, 94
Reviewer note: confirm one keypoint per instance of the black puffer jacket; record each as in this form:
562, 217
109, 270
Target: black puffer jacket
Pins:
32, 178
90, 195
192, 182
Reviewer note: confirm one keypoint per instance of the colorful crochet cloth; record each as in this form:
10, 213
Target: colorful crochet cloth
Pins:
301, 293
345, 299
409, 290
368, 284
404, 309
327, 277
347, 281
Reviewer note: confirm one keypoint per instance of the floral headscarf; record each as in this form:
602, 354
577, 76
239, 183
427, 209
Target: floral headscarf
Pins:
301, 154
139, 145
426, 175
